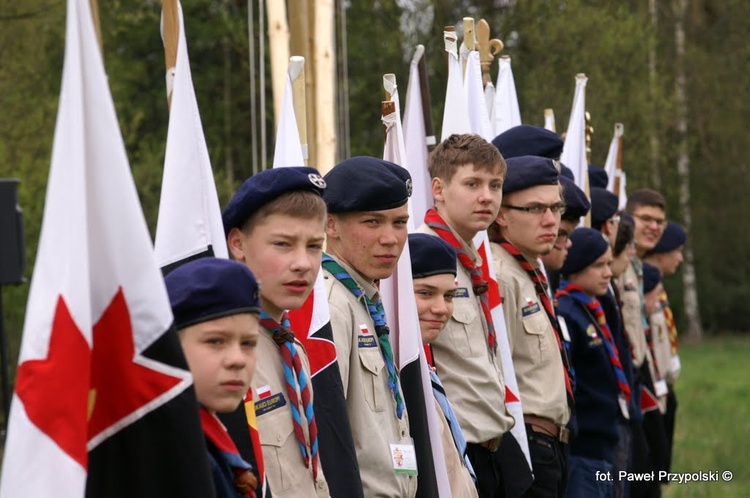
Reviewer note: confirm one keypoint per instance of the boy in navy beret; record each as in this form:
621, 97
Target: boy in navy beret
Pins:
467, 176
528, 140
215, 305
274, 225
602, 391
604, 215
366, 231
526, 228
433, 263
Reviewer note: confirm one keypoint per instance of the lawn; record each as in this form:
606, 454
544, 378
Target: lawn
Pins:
713, 419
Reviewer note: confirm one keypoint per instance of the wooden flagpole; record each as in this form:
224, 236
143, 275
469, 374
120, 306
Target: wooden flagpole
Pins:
549, 119
170, 37
97, 25
487, 48
325, 79
424, 88
470, 38
278, 45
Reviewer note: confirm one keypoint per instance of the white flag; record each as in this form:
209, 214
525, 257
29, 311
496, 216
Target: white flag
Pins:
288, 150
476, 103
455, 114
574, 151
610, 166
505, 111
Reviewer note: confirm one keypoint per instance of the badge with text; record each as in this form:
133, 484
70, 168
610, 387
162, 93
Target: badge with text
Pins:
365, 339
461, 292
530, 309
268, 402
404, 459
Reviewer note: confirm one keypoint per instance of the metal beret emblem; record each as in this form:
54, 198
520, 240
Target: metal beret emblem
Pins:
317, 180
408, 188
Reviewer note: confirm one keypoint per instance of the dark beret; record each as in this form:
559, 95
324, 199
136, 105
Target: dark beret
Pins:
431, 255
210, 288
651, 277
603, 206
567, 172
587, 245
266, 186
528, 140
529, 171
576, 203
365, 183
598, 177
673, 237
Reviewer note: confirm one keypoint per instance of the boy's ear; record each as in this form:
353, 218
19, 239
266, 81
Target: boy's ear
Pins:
501, 218
235, 241
332, 227
436, 188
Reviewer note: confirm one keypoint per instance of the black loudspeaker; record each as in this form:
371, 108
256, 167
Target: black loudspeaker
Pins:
12, 252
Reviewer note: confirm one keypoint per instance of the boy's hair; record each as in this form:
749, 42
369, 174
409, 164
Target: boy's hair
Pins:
302, 204
625, 233
645, 197
458, 150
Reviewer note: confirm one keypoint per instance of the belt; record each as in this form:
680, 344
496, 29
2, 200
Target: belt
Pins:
547, 427
492, 445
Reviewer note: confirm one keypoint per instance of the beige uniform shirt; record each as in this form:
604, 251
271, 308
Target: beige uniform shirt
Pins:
628, 285
462, 485
662, 351
471, 374
285, 469
535, 351
372, 409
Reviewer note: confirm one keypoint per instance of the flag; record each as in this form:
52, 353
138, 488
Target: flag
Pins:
476, 104
514, 447
397, 292
415, 141
455, 115
505, 112
610, 165
103, 403
312, 326
574, 151
189, 224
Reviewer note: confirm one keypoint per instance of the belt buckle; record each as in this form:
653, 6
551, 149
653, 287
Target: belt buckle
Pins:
563, 435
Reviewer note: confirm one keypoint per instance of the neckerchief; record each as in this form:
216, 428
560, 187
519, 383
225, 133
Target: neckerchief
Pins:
594, 307
244, 480
295, 375
377, 313
540, 285
479, 285
669, 317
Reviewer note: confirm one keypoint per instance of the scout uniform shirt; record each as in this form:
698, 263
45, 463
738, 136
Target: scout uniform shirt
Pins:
629, 287
372, 409
536, 355
285, 469
462, 485
471, 374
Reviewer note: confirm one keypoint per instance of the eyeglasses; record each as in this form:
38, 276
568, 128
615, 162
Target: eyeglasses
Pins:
659, 222
539, 209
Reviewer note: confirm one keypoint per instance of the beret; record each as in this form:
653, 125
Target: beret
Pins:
431, 255
567, 172
529, 171
365, 183
209, 288
576, 203
587, 245
263, 187
603, 206
598, 177
673, 237
528, 140
651, 277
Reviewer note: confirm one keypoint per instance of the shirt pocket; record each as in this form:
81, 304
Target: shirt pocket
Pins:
373, 384
461, 335
279, 446
536, 326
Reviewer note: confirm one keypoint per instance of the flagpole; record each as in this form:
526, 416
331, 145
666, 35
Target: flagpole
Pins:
97, 25
470, 38
170, 37
549, 119
488, 49
619, 130
424, 88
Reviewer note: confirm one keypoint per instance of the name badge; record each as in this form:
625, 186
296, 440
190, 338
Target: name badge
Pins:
676, 367
461, 292
404, 459
564, 328
530, 309
272, 402
660, 387
623, 406
366, 341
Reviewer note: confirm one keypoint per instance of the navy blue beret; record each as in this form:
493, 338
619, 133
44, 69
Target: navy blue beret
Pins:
266, 186
528, 140
587, 245
210, 288
576, 203
603, 206
651, 277
365, 183
529, 171
431, 255
567, 172
598, 177
673, 237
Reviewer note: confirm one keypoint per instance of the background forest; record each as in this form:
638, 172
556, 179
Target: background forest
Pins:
627, 52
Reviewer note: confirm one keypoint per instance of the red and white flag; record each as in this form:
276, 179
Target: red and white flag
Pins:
103, 403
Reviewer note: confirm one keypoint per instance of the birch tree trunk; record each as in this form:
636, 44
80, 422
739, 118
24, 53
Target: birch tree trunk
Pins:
692, 311
652, 92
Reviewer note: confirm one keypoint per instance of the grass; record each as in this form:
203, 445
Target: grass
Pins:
713, 418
